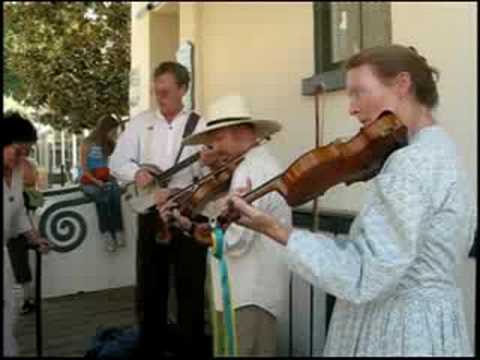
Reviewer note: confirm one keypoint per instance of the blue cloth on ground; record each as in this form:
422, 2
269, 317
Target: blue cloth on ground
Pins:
113, 342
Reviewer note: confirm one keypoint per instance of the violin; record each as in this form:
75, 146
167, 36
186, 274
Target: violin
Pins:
193, 198
313, 173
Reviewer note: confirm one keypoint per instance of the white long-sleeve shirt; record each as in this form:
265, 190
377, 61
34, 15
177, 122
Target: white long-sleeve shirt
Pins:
258, 271
15, 219
149, 138
15, 222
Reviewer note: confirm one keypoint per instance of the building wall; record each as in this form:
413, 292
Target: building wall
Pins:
164, 29
154, 38
268, 69
88, 267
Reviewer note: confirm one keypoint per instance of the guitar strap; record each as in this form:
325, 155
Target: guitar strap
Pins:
189, 129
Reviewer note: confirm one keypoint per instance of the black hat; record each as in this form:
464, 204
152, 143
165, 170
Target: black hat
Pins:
17, 129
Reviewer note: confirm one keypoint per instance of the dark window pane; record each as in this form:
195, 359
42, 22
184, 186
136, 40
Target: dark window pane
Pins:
345, 30
340, 30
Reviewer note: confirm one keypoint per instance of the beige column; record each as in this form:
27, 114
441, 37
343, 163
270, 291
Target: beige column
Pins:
190, 30
140, 58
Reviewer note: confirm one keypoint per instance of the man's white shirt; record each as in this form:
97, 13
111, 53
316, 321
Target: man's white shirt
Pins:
149, 138
257, 265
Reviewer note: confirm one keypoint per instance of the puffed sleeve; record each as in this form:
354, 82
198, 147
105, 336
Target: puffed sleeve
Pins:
375, 257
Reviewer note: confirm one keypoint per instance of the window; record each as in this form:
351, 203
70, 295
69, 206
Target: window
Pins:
340, 30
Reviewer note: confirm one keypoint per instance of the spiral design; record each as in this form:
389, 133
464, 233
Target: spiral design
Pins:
68, 229
65, 228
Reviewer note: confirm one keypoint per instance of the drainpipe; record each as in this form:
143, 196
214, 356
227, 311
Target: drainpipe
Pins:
318, 91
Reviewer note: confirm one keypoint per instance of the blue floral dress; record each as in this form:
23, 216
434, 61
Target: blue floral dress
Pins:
394, 275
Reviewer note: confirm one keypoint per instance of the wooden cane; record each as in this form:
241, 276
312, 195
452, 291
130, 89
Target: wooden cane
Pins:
38, 294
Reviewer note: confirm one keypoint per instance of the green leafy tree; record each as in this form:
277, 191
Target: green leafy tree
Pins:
70, 58
10, 80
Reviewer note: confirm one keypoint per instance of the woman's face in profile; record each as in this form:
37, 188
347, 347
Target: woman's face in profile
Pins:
13, 153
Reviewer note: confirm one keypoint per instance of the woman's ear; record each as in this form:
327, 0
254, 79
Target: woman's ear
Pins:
403, 84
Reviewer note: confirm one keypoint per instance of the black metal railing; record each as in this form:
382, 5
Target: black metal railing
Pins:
339, 222
335, 222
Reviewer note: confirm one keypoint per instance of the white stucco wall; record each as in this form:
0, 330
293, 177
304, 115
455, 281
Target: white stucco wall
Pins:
88, 267
164, 30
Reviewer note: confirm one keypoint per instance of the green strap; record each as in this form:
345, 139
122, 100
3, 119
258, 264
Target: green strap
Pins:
228, 328
215, 320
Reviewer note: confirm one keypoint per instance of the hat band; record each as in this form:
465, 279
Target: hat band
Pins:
221, 121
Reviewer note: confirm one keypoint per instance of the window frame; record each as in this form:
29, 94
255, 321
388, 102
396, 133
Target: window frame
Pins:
330, 74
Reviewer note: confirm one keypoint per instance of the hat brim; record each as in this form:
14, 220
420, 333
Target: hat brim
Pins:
263, 128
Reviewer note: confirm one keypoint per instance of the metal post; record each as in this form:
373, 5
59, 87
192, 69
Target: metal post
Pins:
74, 150
290, 316
62, 147
38, 291
38, 302
477, 308
62, 174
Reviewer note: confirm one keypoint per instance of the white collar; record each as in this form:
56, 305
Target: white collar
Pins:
160, 116
417, 135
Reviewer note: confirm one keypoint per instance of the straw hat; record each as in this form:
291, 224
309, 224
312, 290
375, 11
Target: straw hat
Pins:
228, 111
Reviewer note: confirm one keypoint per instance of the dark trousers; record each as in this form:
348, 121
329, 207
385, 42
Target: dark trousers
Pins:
189, 263
108, 202
18, 251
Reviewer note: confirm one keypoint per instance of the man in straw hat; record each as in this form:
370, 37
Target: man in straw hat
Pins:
258, 277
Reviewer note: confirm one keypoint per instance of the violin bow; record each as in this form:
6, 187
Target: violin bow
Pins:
215, 172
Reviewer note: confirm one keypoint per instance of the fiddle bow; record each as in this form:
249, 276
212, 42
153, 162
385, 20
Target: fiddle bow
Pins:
313, 173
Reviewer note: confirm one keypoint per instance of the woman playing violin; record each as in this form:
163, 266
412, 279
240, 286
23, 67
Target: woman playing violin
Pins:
394, 277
